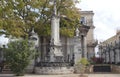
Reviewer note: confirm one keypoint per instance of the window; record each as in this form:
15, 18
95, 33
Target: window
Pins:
82, 20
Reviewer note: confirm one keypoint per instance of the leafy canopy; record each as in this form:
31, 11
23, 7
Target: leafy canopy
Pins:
18, 17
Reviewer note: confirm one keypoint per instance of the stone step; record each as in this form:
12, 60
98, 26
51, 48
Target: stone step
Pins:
102, 68
6, 70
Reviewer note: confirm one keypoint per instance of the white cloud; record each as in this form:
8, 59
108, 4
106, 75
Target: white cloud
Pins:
106, 18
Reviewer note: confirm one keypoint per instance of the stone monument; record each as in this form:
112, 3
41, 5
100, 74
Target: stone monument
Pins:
55, 45
56, 64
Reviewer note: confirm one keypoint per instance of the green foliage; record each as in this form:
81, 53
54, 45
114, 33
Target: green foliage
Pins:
17, 17
84, 61
81, 65
67, 32
18, 55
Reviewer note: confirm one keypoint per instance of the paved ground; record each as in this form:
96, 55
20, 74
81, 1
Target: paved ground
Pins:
103, 75
69, 75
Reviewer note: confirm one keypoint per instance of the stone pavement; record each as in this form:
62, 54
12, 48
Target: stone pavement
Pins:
103, 75
68, 75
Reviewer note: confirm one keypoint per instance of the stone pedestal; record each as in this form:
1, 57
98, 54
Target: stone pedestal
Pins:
77, 50
54, 70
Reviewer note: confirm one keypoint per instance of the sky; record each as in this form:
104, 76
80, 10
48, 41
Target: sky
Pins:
106, 16
3, 40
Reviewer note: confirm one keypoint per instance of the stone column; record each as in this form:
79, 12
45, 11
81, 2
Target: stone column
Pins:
117, 56
112, 56
82, 46
107, 57
77, 50
85, 48
55, 50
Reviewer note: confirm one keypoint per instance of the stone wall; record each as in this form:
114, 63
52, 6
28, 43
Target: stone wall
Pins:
115, 68
87, 69
54, 70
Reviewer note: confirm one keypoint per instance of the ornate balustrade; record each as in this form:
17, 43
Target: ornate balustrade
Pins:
54, 64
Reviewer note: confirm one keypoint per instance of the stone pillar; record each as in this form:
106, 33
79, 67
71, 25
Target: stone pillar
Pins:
85, 48
77, 50
117, 56
112, 56
55, 50
55, 36
107, 57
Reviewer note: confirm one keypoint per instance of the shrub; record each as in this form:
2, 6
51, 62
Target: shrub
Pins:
97, 60
18, 56
81, 65
84, 61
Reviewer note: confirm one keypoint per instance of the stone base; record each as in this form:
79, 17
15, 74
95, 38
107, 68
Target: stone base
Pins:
116, 68
54, 70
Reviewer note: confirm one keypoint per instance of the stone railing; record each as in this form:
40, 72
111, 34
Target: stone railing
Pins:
54, 64
54, 68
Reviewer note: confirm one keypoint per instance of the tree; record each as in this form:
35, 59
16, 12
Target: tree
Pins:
17, 17
67, 24
18, 56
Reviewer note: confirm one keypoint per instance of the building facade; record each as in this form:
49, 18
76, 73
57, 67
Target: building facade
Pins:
71, 47
91, 43
110, 49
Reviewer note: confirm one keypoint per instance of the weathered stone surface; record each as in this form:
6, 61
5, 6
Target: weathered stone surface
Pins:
115, 68
54, 70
